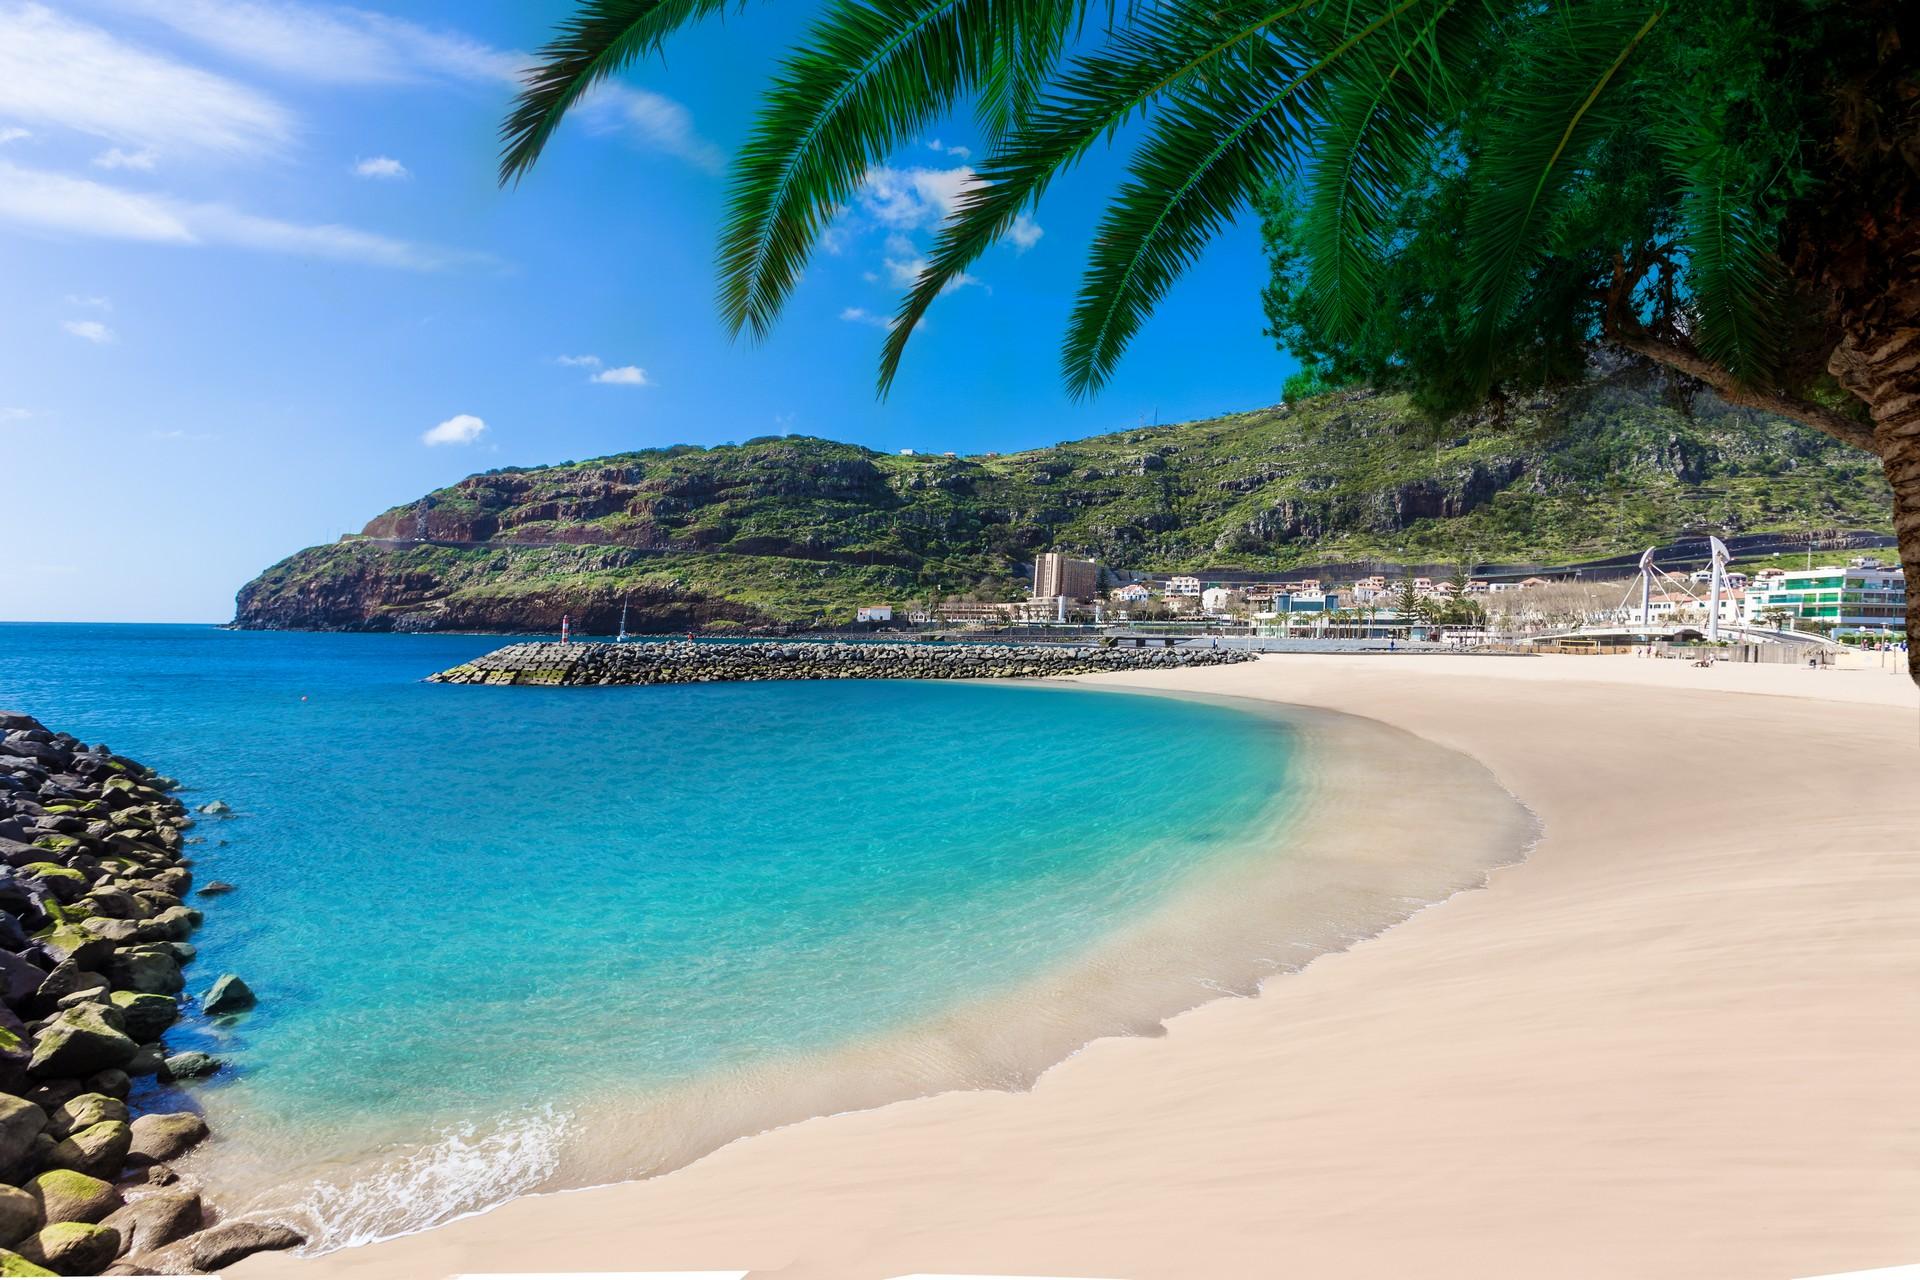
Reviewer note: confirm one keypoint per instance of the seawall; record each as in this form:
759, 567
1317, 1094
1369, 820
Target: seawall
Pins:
682, 662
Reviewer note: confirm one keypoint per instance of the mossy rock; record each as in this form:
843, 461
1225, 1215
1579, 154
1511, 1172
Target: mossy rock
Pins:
83, 1112
12, 1264
66, 1195
99, 1149
146, 1013
72, 1248
20, 1216
78, 1043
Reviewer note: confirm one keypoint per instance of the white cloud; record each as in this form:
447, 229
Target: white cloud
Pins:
1025, 233
860, 315
11, 134
56, 71
329, 44
653, 120
93, 300
115, 158
13, 414
908, 199
627, 375
905, 266
956, 151
77, 206
578, 362
91, 330
461, 428
380, 167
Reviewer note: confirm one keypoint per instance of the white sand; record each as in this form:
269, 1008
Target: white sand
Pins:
1682, 1039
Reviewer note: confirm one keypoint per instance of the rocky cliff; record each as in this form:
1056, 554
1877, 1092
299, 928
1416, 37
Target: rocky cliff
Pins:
795, 531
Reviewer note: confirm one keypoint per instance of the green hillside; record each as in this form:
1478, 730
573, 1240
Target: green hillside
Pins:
793, 530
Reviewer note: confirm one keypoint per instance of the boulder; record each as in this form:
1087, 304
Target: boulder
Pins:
147, 1060
12, 1264
145, 1013
215, 808
71, 942
20, 1123
220, 1247
228, 994
118, 932
156, 1220
165, 1135
64, 883
72, 1248
83, 1112
66, 1196
20, 979
161, 1175
78, 1043
190, 1065
99, 1149
20, 1216
113, 1082
67, 979
146, 969
214, 888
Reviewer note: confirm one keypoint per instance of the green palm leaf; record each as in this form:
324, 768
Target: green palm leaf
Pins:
599, 39
1560, 99
872, 74
1158, 53
1735, 278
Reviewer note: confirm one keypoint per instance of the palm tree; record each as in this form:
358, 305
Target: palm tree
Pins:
1725, 187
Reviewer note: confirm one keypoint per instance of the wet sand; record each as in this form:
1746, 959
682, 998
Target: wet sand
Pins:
1677, 1040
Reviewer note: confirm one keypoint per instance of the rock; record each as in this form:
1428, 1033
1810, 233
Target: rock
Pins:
146, 1013
161, 1175
70, 942
165, 1135
219, 1247
118, 932
214, 888
99, 1149
83, 1112
66, 1196
12, 1264
72, 1248
67, 979
78, 1043
20, 1216
64, 883
147, 1060
146, 969
215, 808
190, 1065
20, 980
154, 1221
229, 994
20, 1123
113, 1082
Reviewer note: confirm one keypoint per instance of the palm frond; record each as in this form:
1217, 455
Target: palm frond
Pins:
1735, 279
1380, 126
1210, 155
872, 74
1157, 53
1561, 98
601, 38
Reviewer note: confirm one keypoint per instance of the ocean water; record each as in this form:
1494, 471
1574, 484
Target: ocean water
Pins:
518, 939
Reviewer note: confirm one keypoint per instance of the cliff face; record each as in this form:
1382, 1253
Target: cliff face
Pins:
794, 531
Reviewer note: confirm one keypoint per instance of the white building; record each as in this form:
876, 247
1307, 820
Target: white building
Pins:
1217, 600
1850, 599
1183, 585
1132, 593
875, 613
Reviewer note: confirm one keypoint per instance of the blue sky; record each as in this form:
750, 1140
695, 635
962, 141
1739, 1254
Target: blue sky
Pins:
259, 284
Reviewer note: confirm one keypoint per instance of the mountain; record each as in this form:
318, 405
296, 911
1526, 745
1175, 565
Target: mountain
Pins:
793, 531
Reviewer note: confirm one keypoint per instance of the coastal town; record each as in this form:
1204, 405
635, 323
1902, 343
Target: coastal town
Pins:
1858, 600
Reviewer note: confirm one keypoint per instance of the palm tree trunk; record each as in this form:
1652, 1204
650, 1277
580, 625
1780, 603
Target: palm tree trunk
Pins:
1881, 365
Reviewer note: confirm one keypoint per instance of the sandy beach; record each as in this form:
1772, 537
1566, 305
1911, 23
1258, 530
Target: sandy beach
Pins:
1677, 1041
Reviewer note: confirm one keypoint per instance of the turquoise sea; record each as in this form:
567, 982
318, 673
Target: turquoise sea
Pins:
508, 939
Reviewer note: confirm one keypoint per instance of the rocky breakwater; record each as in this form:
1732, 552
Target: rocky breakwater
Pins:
93, 937
689, 662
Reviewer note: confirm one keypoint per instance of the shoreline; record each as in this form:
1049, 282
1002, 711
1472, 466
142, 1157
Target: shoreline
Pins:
95, 940
1665, 1044
1284, 889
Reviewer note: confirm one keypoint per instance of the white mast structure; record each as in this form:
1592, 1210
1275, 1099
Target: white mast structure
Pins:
1720, 557
1646, 588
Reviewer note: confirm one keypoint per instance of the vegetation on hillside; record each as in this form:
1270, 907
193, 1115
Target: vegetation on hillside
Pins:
794, 530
